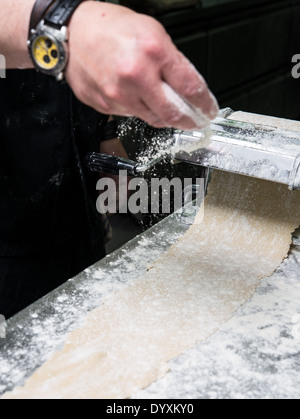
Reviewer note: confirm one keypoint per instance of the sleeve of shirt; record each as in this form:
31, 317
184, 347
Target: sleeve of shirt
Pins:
110, 131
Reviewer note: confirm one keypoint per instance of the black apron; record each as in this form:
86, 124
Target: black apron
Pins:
49, 226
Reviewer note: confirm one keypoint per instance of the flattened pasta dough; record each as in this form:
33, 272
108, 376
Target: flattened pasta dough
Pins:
194, 288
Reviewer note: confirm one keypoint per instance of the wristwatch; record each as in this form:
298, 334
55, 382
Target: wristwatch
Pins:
48, 35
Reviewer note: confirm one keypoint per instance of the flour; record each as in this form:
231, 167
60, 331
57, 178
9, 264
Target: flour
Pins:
185, 109
255, 355
187, 295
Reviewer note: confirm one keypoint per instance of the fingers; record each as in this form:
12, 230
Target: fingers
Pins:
160, 106
176, 96
185, 80
172, 109
126, 101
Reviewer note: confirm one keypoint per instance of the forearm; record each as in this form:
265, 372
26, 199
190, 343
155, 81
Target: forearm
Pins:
14, 24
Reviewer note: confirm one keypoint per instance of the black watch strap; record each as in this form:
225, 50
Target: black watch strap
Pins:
61, 13
38, 12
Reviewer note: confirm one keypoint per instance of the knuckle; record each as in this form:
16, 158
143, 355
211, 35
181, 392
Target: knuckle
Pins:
174, 118
171, 116
130, 71
112, 92
192, 88
152, 48
153, 120
153, 40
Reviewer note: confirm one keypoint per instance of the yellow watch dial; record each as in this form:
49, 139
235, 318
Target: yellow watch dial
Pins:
45, 52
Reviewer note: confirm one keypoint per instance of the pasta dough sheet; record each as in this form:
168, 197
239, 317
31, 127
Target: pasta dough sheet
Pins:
186, 296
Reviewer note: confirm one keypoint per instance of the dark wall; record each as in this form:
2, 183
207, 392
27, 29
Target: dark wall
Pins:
244, 49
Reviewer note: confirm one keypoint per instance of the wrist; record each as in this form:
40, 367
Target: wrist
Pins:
82, 13
15, 24
81, 17
48, 35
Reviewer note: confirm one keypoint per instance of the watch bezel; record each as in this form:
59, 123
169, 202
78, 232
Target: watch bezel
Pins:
59, 37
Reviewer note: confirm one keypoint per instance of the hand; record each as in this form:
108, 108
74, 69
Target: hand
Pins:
124, 63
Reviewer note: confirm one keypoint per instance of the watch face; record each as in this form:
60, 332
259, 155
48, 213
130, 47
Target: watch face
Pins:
45, 52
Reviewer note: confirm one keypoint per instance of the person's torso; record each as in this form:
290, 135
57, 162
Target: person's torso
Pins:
44, 135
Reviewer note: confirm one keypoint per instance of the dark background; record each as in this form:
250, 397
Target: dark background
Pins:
244, 50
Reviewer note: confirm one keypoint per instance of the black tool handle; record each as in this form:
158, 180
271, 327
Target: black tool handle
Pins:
105, 163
